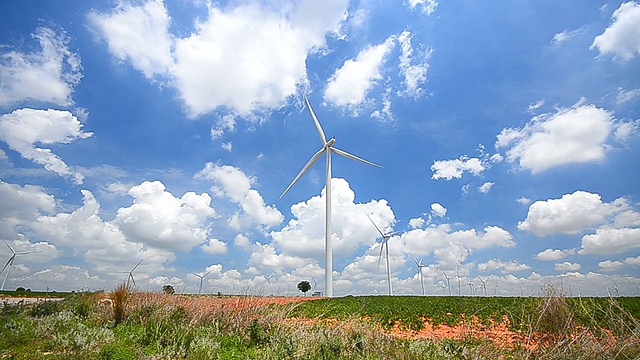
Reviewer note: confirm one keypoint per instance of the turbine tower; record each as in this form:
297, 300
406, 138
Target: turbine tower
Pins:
384, 245
420, 266
9, 265
327, 148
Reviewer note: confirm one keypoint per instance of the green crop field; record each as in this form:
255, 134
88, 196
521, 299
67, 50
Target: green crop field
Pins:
412, 310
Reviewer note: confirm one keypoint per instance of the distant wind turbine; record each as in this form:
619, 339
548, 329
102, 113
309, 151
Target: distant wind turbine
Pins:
9, 265
327, 148
131, 278
384, 245
448, 282
484, 285
201, 276
420, 266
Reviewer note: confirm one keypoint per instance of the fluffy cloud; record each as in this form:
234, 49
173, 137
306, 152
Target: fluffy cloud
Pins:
102, 243
567, 266
450, 247
138, 34
622, 37
49, 75
486, 187
426, 6
24, 128
214, 246
159, 219
553, 255
231, 182
565, 35
574, 135
303, 236
449, 169
608, 241
438, 210
246, 58
505, 267
413, 72
570, 214
21, 204
349, 85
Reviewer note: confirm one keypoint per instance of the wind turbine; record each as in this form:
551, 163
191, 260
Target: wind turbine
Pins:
207, 273
420, 266
327, 148
384, 245
484, 285
130, 278
448, 282
9, 265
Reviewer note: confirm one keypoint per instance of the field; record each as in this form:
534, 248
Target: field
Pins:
136, 325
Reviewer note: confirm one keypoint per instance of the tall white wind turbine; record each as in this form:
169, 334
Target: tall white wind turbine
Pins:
9, 265
327, 148
420, 265
384, 245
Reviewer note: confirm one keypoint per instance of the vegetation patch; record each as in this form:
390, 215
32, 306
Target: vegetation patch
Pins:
130, 325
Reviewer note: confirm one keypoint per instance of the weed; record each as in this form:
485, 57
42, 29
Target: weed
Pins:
119, 297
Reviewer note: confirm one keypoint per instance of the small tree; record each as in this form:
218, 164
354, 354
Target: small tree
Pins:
304, 286
168, 289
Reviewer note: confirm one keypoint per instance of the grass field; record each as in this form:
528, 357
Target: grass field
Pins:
128, 325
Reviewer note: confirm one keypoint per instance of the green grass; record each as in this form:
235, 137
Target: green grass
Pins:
158, 326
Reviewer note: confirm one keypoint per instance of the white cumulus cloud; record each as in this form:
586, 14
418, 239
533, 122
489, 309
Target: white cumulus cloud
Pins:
622, 37
233, 183
573, 135
49, 75
449, 169
244, 57
24, 128
349, 85
159, 219
570, 214
139, 34
553, 255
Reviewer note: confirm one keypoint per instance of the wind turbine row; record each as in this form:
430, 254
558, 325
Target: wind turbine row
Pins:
327, 148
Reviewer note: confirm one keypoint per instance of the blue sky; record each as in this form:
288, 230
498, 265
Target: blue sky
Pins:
166, 132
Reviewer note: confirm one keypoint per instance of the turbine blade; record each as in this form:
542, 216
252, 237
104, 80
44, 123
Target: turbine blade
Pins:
376, 226
309, 163
353, 157
7, 264
9, 246
415, 261
134, 268
380, 256
316, 122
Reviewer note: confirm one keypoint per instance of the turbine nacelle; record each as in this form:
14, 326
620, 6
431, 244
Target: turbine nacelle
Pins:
330, 142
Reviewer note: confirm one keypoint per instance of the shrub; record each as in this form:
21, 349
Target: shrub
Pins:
119, 296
